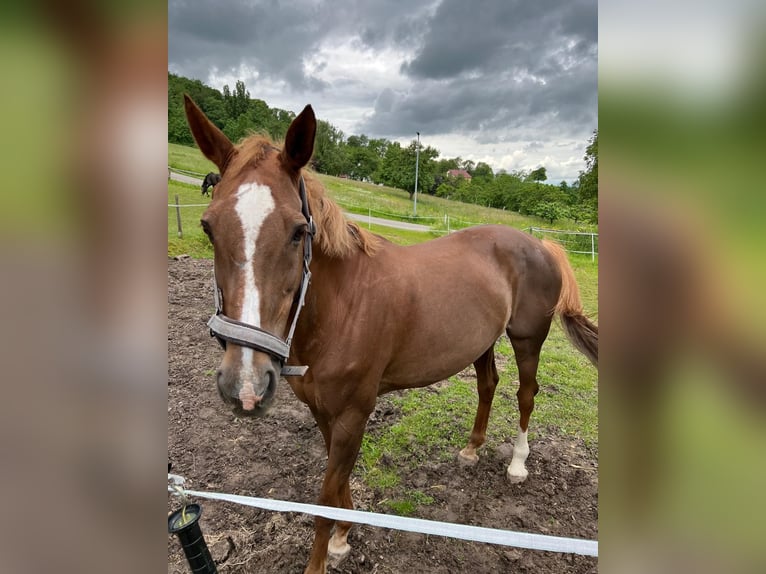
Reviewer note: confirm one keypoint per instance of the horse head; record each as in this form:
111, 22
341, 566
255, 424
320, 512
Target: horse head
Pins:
259, 226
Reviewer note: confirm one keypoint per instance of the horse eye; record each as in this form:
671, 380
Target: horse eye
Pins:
206, 229
298, 233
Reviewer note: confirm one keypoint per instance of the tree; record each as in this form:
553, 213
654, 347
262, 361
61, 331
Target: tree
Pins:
588, 179
207, 98
238, 102
397, 168
510, 187
363, 159
237, 128
390, 167
457, 188
538, 174
444, 165
329, 150
483, 170
550, 211
426, 166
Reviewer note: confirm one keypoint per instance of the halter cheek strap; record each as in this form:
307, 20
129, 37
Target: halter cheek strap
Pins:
226, 329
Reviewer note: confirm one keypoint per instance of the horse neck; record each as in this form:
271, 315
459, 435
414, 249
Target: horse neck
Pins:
326, 293
327, 272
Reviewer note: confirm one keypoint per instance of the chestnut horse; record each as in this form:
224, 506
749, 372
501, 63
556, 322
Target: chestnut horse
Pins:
377, 317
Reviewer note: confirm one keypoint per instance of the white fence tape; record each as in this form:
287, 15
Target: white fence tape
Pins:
419, 525
562, 232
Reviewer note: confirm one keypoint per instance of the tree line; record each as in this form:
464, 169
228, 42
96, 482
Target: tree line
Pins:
379, 160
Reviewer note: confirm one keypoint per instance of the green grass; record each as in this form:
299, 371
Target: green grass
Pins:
400, 236
194, 242
408, 505
189, 159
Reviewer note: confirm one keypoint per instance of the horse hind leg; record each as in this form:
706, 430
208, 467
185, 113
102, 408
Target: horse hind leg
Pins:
527, 352
486, 382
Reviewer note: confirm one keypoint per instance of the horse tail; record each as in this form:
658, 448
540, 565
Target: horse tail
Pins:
580, 330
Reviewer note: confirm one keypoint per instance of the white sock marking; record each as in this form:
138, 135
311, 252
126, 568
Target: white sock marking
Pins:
520, 454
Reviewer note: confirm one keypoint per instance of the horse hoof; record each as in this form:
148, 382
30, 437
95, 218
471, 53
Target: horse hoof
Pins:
338, 545
467, 458
518, 477
337, 554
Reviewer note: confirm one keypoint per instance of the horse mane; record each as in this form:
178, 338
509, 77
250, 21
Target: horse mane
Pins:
250, 152
336, 236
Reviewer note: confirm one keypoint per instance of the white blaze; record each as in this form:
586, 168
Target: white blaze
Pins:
254, 204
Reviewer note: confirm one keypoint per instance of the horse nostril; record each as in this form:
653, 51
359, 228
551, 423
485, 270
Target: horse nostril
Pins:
219, 383
272, 385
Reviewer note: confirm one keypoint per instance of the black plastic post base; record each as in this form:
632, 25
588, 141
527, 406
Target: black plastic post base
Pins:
184, 523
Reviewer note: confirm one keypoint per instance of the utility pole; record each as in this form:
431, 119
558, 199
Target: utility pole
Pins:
417, 161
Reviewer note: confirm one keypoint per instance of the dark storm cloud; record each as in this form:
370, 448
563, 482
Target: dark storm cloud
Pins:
203, 35
495, 70
500, 65
465, 37
470, 104
275, 37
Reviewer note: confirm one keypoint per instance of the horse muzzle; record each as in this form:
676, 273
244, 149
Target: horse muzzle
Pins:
251, 394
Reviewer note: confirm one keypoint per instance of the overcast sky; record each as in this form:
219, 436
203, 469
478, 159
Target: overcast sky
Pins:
509, 82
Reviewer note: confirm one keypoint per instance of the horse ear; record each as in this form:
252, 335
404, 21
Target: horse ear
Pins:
299, 141
212, 142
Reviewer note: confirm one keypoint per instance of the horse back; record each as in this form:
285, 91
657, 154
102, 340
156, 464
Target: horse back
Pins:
421, 313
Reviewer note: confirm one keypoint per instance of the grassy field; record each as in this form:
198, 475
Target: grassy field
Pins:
439, 213
189, 159
367, 198
438, 422
194, 241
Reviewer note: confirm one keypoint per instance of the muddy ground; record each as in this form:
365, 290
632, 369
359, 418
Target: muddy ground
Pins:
282, 456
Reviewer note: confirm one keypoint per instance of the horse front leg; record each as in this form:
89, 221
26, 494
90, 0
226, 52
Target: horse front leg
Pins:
338, 547
344, 438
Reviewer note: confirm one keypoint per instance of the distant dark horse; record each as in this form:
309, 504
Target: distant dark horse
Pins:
211, 180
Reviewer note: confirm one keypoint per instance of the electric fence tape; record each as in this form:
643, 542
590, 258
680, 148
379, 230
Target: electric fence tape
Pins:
419, 525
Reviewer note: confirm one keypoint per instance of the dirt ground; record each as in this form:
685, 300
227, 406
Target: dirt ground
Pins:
282, 456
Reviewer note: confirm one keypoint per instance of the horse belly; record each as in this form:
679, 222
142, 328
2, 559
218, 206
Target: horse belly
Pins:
452, 308
431, 351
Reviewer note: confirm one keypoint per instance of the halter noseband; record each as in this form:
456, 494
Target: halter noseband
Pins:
226, 329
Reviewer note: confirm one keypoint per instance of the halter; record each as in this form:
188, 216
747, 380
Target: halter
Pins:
226, 329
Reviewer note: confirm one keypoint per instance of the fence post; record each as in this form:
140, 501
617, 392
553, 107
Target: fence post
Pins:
178, 218
592, 247
447, 216
369, 218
